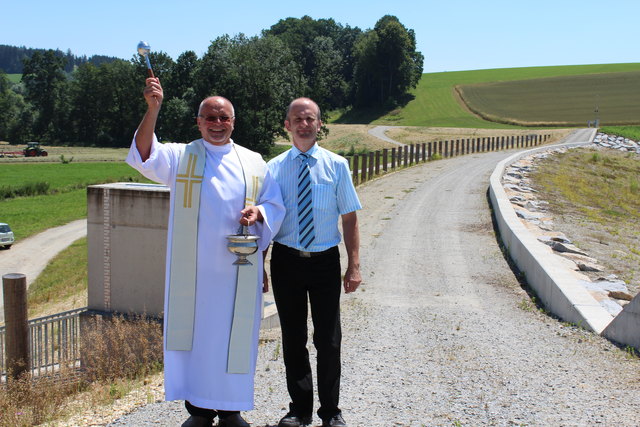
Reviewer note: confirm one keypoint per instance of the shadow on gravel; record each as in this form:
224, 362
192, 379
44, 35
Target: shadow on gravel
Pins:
519, 275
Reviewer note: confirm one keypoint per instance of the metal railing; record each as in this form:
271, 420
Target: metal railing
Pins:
52, 340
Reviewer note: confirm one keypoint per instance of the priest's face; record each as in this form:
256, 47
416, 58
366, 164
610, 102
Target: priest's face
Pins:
303, 121
216, 120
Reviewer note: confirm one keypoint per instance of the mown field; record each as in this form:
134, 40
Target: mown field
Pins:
614, 98
436, 104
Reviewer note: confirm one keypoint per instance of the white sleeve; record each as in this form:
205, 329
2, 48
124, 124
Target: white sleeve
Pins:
272, 208
162, 163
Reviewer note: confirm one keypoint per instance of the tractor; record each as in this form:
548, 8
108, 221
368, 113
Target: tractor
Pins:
33, 149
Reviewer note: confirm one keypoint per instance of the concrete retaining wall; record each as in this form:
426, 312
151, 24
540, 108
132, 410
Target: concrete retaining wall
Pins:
556, 287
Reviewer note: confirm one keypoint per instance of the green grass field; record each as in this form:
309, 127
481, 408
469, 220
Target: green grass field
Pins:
631, 132
67, 198
435, 103
561, 101
14, 78
65, 176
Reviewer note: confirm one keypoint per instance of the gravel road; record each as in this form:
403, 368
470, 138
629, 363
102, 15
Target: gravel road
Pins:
441, 333
31, 255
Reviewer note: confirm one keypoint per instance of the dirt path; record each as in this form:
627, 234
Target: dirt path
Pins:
380, 132
31, 255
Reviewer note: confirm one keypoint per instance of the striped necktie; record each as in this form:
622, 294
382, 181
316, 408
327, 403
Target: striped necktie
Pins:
305, 212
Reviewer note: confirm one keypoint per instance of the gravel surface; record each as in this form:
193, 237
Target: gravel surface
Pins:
441, 333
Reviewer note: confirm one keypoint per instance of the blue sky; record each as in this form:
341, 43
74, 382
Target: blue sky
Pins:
451, 34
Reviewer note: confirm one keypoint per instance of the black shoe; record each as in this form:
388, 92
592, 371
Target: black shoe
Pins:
294, 420
233, 420
196, 421
335, 421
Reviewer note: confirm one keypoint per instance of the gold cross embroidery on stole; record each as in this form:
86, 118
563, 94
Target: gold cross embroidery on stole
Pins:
188, 179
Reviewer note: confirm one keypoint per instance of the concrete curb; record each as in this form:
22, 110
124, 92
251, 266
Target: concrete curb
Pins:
556, 287
270, 317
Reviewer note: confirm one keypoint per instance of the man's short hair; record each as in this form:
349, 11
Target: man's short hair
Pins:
303, 99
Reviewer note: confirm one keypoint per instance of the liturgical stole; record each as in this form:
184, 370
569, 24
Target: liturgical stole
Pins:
182, 281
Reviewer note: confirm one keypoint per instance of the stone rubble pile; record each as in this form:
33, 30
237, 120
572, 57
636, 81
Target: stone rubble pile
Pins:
616, 143
611, 292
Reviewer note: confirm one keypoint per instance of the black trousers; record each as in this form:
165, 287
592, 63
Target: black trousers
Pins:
297, 280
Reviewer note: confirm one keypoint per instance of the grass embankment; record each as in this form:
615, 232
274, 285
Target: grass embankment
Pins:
631, 132
62, 285
558, 101
598, 194
436, 104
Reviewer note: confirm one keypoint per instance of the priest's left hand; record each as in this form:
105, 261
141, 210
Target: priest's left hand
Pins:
251, 215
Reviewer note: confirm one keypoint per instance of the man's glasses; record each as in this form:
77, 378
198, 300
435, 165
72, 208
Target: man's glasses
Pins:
213, 119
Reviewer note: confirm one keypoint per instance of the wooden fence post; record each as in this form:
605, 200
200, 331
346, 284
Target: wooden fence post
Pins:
14, 289
363, 168
371, 167
385, 158
393, 158
377, 162
354, 171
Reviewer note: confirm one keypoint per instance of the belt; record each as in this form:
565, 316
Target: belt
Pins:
301, 254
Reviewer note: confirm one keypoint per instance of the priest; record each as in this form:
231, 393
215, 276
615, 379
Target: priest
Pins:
212, 307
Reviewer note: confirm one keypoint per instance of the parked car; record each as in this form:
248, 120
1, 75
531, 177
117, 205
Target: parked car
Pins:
6, 236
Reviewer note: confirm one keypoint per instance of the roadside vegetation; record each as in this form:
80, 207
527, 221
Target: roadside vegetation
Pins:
62, 286
631, 132
597, 194
118, 356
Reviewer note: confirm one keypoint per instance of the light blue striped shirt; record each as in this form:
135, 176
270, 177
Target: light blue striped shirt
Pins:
333, 195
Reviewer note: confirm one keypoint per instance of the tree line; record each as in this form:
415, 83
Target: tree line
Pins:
12, 58
340, 67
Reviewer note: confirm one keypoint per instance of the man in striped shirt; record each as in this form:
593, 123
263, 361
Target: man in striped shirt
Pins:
305, 264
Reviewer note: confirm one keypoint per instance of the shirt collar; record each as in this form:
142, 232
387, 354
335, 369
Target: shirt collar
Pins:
312, 152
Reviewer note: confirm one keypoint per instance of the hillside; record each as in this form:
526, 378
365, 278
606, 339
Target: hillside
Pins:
435, 102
